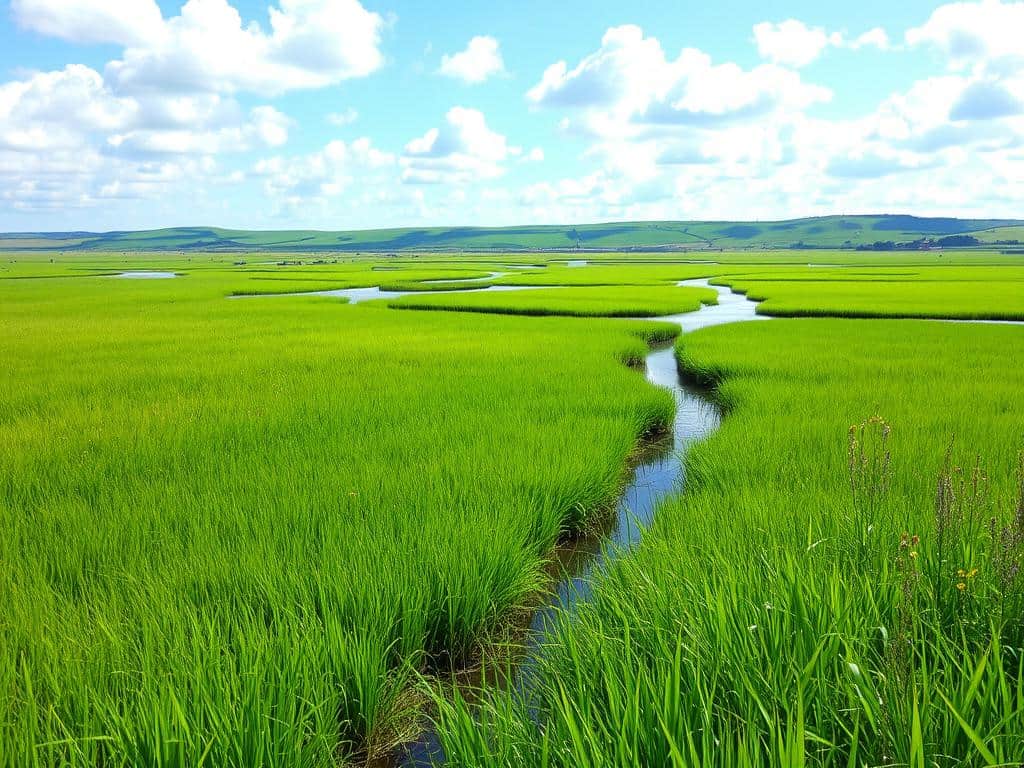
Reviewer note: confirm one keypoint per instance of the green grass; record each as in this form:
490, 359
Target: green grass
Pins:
236, 532
985, 300
770, 617
232, 529
604, 301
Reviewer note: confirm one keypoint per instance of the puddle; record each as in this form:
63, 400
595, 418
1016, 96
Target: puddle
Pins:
359, 295
143, 275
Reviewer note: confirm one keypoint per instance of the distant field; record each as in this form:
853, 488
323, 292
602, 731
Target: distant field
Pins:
823, 232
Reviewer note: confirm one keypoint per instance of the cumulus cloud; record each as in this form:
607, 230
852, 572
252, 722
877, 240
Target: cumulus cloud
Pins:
479, 61
974, 33
986, 100
91, 21
310, 44
629, 83
463, 149
873, 38
62, 109
792, 43
170, 98
652, 133
75, 108
685, 136
324, 174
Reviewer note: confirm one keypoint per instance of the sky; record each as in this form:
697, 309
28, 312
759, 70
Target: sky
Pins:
355, 114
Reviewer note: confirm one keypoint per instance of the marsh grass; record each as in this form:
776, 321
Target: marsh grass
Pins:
795, 605
955, 293
585, 301
246, 532
237, 531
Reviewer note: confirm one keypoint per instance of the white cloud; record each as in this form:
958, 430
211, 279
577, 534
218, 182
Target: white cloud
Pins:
629, 85
324, 174
265, 127
343, 118
169, 100
207, 47
873, 38
310, 44
688, 138
975, 33
480, 60
463, 149
49, 110
91, 21
792, 42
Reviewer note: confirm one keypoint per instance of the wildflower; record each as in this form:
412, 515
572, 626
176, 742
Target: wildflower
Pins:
961, 586
913, 555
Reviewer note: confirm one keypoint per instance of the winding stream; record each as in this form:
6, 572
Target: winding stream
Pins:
357, 295
145, 275
658, 473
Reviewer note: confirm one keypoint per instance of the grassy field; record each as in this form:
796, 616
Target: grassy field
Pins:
232, 528
602, 301
238, 531
807, 601
989, 293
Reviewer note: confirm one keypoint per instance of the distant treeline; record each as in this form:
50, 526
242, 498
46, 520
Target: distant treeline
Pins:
952, 241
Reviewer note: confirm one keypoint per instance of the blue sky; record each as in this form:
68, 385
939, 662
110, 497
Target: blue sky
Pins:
338, 114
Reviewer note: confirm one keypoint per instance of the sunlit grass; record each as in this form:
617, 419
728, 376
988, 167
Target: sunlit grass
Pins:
592, 301
772, 617
233, 527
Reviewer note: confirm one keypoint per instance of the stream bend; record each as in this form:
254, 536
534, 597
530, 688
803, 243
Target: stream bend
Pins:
659, 473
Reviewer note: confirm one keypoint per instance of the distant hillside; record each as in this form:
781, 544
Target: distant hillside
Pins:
876, 232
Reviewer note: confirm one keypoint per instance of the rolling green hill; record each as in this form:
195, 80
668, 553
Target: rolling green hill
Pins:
878, 232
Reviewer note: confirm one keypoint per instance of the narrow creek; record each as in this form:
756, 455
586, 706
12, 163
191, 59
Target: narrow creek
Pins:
658, 472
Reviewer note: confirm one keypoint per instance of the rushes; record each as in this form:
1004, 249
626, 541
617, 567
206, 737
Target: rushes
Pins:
869, 464
1006, 540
